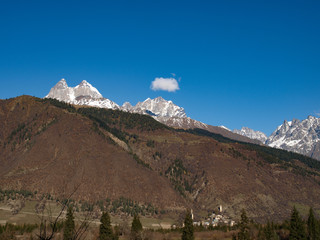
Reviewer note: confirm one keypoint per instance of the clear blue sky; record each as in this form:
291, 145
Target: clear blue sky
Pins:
241, 63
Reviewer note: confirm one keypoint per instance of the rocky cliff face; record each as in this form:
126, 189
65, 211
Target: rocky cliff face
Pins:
298, 136
156, 107
82, 94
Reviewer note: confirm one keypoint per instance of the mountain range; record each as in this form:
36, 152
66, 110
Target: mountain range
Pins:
152, 153
51, 146
160, 109
297, 136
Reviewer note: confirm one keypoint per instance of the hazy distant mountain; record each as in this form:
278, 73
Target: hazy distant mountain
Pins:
250, 133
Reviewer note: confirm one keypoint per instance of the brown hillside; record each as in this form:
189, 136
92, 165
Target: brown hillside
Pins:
112, 154
64, 151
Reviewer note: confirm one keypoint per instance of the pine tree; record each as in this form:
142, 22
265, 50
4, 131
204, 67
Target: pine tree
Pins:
187, 231
297, 230
244, 227
105, 229
136, 228
69, 226
270, 232
313, 227
261, 234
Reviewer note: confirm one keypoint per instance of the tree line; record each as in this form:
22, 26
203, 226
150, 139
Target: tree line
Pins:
296, 228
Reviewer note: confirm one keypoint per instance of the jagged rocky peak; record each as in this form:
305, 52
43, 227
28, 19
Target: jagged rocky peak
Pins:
286, 125
126, 106
161, 107
250, 133
82, 94
86, 89
298, 136
61, 91
62, 84
159, 99
312, 118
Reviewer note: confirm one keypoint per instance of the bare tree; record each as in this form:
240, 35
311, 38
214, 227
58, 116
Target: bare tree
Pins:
49, 224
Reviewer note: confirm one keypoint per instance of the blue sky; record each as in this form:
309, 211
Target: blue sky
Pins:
241, 63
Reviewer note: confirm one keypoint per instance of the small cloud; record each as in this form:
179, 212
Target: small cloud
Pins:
317, 114
165, 84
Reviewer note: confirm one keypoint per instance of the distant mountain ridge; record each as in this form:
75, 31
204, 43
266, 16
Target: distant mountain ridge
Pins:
160, 109
250, 133
301, 137
296, 136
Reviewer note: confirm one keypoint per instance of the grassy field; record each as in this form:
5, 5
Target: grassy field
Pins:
28, 215
303, 209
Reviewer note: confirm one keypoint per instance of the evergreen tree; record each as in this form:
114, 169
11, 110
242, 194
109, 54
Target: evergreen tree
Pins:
261, 234
105, 229
297, 230
69, 226
136, 228
270, 232
313, 227
244, 227
187, 231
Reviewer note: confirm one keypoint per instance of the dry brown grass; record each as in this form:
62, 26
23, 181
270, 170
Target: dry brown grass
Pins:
209, 235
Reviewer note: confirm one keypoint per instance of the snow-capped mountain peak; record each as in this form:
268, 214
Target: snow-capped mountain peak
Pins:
298, 136
164, 111
86, 89
159, 99
82, 94
160, 107
126, 106
61, 91
62, 84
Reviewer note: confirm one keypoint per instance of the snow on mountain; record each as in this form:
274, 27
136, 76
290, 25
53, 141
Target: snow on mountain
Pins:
298, 136
250, 133
165, 112
86, 89
127, 107
225, 128
158, 107
61, 92
181, 122
83, 94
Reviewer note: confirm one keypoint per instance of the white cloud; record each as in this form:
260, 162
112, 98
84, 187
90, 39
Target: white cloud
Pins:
165, 84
